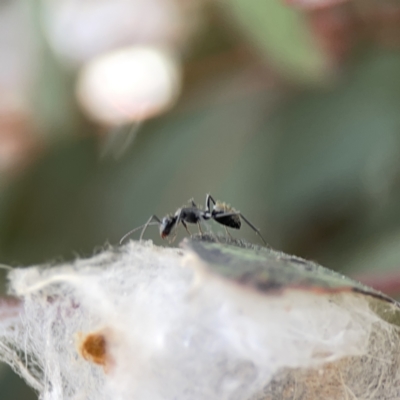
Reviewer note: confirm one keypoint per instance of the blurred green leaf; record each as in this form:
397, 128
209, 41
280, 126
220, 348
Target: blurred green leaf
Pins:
268, 271
284, 35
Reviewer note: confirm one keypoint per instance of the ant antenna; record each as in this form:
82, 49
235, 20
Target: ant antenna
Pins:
136, 229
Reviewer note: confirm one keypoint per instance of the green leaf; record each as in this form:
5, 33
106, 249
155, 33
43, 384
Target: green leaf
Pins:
270, 272
284, 35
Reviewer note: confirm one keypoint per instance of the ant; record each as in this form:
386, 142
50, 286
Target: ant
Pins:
222, 213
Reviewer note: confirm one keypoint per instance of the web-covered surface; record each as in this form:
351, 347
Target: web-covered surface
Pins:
141, 322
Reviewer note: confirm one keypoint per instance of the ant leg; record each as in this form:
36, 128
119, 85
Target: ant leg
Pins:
171, 240
187, 230
149, 222
227, 232
257, 231
200, 231
209, 200
178, 220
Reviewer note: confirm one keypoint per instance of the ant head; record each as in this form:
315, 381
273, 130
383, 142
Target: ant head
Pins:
166, 226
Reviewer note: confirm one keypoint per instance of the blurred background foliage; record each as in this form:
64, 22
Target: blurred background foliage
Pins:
288, 110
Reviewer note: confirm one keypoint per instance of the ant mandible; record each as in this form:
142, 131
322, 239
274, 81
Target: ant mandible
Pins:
222, 213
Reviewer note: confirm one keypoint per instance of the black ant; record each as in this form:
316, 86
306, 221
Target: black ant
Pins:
220, 212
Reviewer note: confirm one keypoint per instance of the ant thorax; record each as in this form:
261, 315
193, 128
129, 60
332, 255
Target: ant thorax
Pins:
190, 215
177, 212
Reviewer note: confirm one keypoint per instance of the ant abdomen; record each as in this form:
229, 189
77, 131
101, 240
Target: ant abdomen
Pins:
230, 222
